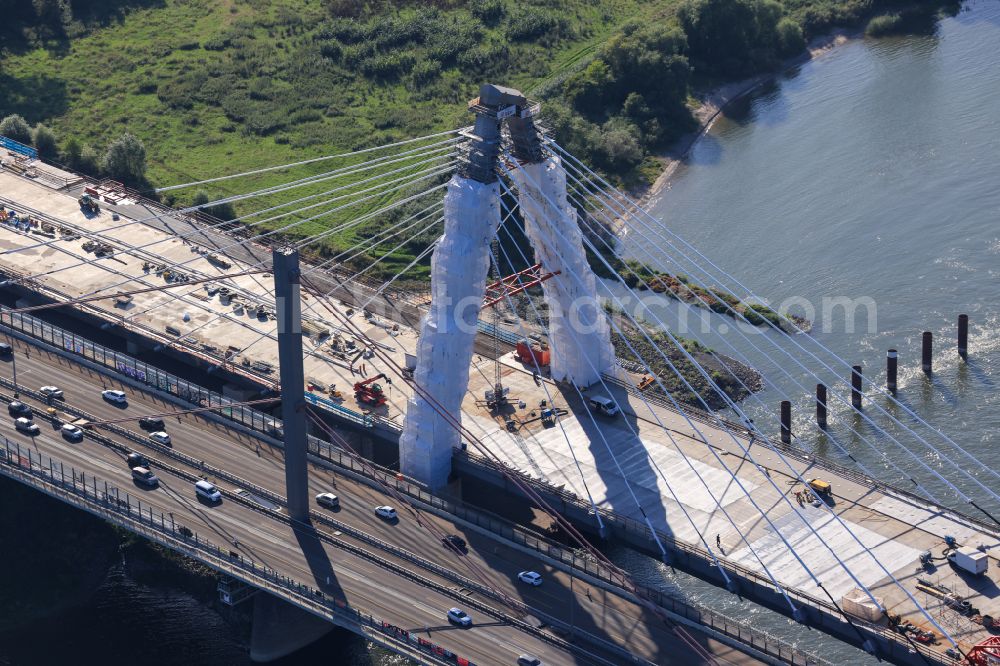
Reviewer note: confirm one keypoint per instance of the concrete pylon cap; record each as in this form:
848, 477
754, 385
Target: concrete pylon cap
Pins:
497, 96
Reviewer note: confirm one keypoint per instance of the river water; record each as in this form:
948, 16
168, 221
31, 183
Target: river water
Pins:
870, 173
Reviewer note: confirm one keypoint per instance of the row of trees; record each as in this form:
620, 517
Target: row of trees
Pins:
124, 160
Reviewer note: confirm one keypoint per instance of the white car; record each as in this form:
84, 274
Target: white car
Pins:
459, 617
386, 512
53, 392
160, 437
530, 577
115, 396
329, 500
71, 432
208, 491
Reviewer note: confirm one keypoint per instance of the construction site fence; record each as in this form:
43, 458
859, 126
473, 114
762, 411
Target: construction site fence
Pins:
115, 505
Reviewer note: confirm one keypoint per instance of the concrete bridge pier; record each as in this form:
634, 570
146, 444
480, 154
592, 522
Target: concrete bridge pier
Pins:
293, 415
279, 628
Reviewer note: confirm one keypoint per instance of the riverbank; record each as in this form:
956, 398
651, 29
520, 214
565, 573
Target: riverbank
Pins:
712, 103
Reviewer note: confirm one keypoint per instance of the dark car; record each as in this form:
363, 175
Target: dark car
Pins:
454, 542
18, 408
137, 460
152, 423
6, 349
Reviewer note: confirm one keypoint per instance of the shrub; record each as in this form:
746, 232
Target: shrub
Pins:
45, 141
490, 12
529, 24
88, 162
426, 71
217, 43
223, 211
125, 159
790, 37
17, 128
386, 67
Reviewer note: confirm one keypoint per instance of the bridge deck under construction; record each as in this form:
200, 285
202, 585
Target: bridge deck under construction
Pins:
685, 491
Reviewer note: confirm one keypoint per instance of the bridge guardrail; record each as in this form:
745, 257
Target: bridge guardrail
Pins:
615, 521
360, 535
107, 502
263, 423
572, 557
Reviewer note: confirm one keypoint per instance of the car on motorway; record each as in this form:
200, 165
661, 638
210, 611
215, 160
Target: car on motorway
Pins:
152, 424
160, 437
528, 660
118, 397
71, 432
207, 491
6, 349
18, 408
386, 512
530, 578
454, 542
145, 476
329, 500
26, 425
53, 392
459, 617
137, 460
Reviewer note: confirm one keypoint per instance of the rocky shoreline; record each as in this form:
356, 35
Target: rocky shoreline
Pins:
732, 377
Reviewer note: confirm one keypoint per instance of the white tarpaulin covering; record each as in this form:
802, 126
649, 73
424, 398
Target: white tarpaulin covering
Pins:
444, 351
578, 330
859, 604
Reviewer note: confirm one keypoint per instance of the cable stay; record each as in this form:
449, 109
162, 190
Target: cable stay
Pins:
745, 450
661, 229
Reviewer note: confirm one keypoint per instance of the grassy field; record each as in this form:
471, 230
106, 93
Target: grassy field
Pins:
223, 86
220, 87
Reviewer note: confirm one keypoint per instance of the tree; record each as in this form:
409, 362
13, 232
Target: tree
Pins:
17, 128
731, 38
71, 153
126, 159
790, 39
45, 141
88, 162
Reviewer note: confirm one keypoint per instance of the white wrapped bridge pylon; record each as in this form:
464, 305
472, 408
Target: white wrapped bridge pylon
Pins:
459, 268
578, 329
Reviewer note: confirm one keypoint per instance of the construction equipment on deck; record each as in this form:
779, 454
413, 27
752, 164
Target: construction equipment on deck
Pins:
218, 260
532, 353
985, 653
820, 486
89, 205
370, 393
646, 382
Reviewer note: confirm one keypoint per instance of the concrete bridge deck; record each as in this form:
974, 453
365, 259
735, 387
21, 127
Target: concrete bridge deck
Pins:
894, 527
363, 584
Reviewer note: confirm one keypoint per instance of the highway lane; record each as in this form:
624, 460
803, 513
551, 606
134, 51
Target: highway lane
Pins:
591, 609
394, 598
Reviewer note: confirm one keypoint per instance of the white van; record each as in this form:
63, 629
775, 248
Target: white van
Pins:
144, 476
602, 404
207, 490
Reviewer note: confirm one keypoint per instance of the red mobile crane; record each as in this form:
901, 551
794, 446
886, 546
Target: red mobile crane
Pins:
370, 393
